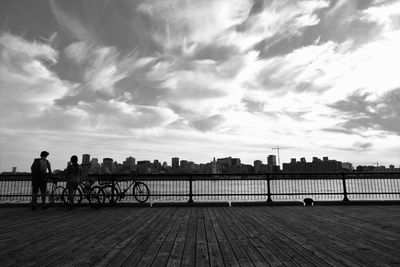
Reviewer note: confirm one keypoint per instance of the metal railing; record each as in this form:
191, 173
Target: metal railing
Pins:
237, 187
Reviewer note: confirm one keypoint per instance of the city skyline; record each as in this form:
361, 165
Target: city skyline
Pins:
199, 79
175, 161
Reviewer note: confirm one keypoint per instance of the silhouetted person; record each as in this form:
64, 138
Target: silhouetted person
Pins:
74, 173
39, 169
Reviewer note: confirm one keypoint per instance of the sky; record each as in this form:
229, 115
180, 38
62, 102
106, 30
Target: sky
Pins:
199, 79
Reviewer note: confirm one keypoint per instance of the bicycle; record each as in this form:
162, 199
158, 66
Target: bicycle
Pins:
94, 194
114, 192
55, 195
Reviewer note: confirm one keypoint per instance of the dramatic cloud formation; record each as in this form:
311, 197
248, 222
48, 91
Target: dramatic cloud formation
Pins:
198, 79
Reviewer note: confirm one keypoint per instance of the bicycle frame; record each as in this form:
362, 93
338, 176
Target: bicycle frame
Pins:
121, 191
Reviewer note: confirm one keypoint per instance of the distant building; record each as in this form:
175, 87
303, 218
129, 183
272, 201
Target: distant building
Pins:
317, 165
157, 167
175, 163
144, 166
214, 169
347, 166
107, 166
94, 166
129, 165
271, 164
85, 159
257, 166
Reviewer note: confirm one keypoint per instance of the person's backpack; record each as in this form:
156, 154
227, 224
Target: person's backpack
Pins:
39, 166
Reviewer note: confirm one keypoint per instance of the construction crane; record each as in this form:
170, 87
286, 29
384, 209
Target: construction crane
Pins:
279, 160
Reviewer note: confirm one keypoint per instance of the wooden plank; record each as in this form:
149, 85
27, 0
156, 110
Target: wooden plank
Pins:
340, 248
189, 252
137, 242
271, 254
51, 237
288, 235
72, 252
106, 236
108, 248
353, 243
312, 233
145, 245
237, 236
238, 239
176, 253
163, 242
202, 257
212, 243
233, 253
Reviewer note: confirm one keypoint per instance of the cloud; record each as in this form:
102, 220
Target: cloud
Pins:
186, 24
253, 106
73, 24
276, 21
28, 86
205, 124
307, 74
377, 113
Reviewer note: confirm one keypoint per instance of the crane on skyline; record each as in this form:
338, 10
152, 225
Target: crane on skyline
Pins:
277, 148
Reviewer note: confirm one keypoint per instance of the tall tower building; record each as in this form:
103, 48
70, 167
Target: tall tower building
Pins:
175, 163
271, 160
85, 159
214, 166
94, 166
271, 163
107, 166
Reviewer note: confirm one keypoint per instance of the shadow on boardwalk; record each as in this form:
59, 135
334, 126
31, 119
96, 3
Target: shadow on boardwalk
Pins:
202, 236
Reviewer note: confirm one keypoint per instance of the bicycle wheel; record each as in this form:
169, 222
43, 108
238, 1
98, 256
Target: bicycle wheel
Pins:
97, 197
111, 193
77, 196
141, 192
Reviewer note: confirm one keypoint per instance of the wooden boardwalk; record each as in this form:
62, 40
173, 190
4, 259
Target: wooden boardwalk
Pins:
202, 236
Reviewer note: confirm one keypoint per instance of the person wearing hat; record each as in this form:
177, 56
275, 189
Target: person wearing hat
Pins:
39, 169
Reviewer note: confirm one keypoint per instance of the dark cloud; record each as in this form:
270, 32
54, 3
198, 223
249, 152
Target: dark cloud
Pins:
205, 124
216, 52
342, 130
363, 145
109, 23
361, 113
253, 106
357, 147
298, 116
339, 22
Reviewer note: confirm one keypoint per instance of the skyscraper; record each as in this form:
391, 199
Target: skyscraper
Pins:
107, 166
271, 160
85, 159
271, 163
175, 163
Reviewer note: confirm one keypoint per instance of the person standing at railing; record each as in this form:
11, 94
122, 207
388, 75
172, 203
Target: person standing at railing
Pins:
39, 169
74, 174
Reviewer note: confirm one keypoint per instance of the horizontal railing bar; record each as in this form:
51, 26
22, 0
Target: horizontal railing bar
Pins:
373, 193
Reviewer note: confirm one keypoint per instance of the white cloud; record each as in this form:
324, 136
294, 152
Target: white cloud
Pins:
27, 85
189, 23
279, 19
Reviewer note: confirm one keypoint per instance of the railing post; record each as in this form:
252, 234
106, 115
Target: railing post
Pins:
269, 199
345, 198
114, 178
190, 189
